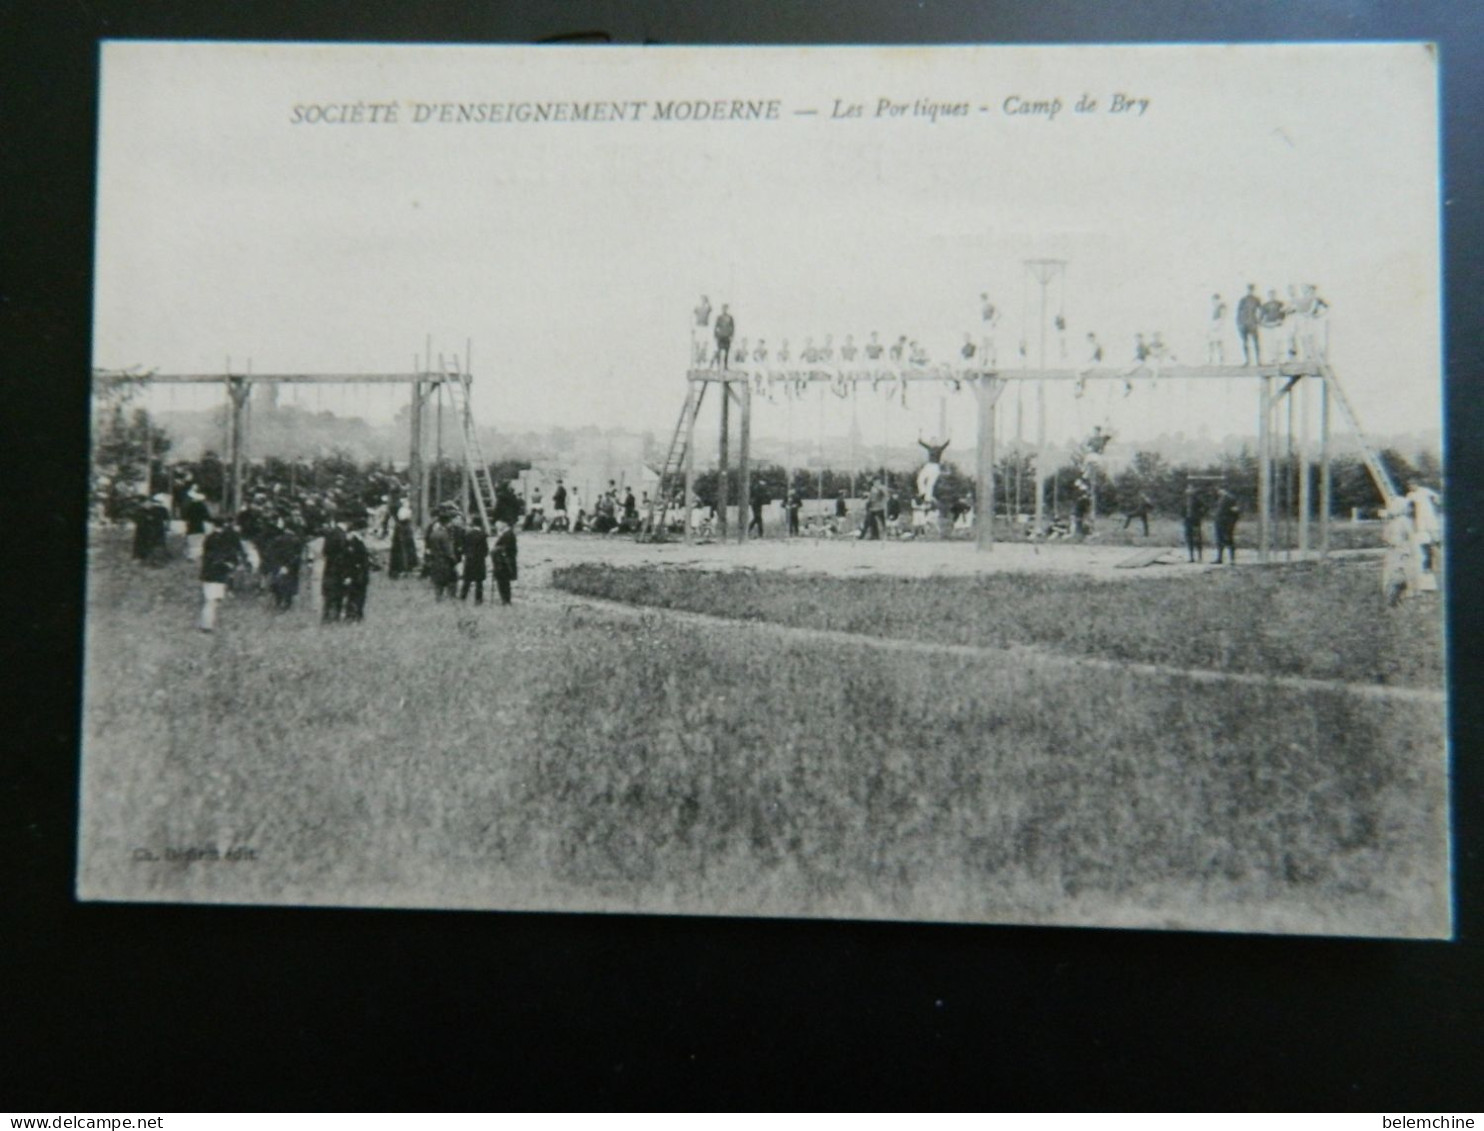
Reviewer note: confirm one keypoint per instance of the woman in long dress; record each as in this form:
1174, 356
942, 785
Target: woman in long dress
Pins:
404, 545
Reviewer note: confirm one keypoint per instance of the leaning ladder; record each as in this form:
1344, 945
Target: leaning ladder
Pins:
1373, 461
475, 464
674, 465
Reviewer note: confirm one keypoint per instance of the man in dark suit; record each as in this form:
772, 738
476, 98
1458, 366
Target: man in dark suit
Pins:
1227, 514
282, 558
332, 588
504, 558
476, 550
442, 553
221, 554
357, 570
1195, 517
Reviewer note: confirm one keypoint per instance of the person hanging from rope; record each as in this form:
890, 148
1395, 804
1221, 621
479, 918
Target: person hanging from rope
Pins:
1060, 323
1094, 359
1141, 362
725, 326
927, 477
1227, 513
1249, 321
1193, 516
989, 318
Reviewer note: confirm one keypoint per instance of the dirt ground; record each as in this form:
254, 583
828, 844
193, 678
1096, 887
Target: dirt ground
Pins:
848, 557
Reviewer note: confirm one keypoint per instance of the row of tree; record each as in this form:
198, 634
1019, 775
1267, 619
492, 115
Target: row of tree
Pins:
1148, 476
131, 457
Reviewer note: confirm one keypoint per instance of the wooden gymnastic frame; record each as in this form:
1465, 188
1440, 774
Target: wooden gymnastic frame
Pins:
1275, 383
425, 382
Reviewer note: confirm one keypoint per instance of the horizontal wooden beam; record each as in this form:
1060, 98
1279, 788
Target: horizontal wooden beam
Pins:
949, 375
105, 376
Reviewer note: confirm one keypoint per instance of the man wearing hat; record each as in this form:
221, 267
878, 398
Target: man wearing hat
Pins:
333, 559
356, 568
196, 517
442, 553
283, 558
1227, 514
504, 557
476, 549
221, 554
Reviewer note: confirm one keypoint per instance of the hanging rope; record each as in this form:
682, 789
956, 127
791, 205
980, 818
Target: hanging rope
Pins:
1061, 314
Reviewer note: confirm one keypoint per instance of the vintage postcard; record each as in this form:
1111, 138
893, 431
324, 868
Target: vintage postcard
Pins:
965, 484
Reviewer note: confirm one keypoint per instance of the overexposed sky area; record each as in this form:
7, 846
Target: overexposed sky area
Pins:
571, 253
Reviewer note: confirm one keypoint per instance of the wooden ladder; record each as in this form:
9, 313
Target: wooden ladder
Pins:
1373, 462
474, 462
674, 465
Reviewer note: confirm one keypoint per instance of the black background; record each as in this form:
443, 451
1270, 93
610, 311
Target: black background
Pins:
153, 1008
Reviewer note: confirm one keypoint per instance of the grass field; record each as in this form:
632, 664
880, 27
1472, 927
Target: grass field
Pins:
561, 754
1319, 622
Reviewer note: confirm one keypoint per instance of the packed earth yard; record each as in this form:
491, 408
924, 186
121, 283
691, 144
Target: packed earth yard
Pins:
805, 728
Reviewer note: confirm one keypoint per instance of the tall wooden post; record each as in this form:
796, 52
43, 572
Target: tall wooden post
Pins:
1265, 470
1040, 463
466, 435
149, 459
237, 390
987, 390
722, 468
692, 410
1305, 502
438, 499
744, 464
1326, 500
415, 480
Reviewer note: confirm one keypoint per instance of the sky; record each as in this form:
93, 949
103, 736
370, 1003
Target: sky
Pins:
570, 254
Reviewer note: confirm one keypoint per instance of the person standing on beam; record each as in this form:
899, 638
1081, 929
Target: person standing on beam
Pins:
1249, 318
